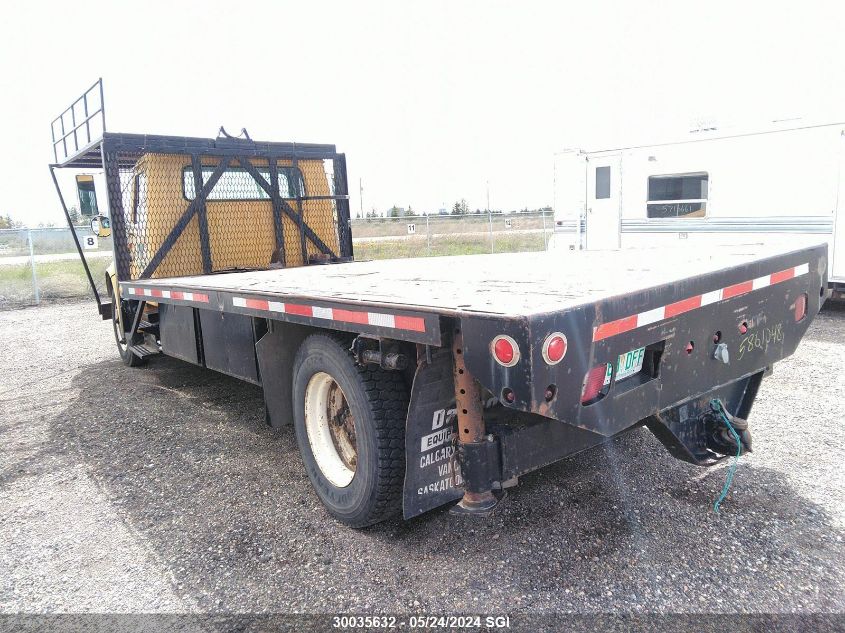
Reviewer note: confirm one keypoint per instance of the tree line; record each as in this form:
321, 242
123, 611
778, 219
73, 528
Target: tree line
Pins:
459, 208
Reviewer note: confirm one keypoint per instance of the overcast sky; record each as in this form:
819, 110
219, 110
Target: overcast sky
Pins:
430, 100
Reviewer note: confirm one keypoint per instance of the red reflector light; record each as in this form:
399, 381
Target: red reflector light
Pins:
505, 350
554, 348
595, 382
800, 307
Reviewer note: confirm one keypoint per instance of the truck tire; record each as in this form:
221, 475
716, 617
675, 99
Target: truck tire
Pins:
129, 358
350, 427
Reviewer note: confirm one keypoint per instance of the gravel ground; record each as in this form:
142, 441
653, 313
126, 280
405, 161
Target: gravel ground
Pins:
162, 490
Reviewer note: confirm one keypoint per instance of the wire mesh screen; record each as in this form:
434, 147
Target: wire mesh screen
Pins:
176, 214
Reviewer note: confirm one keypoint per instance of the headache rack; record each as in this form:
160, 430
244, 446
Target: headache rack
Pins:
186, 206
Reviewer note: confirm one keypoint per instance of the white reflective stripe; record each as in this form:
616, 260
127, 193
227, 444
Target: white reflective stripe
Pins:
651, 316
188, 296
761, 282
384, 320
275, 306
165, 294
148, 292
803, 269
238, 302
131, 291
321, 313
711, 297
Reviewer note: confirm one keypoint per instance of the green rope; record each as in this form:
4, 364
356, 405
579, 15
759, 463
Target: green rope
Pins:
716, 405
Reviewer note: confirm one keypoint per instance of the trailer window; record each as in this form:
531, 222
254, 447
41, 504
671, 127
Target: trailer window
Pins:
602, 183
677, 196
236, 183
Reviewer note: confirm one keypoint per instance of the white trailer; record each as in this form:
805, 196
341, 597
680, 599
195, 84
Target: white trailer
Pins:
712, 188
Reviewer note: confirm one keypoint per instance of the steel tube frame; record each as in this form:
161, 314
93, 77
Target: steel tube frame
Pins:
76, 240
86, 122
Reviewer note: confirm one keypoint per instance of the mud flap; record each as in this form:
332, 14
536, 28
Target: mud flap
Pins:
432, 472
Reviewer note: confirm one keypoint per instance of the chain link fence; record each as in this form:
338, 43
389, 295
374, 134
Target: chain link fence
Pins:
42, 265
39, 265
437, 235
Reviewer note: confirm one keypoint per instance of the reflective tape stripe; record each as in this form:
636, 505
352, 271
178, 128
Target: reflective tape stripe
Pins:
651, 316
167, 294
685, 305
384, 320
377, 319
322, 313
292, 308
655, 315
711, 297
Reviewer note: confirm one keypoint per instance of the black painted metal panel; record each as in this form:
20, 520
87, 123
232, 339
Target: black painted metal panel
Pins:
229, 344
276, 351
178, 333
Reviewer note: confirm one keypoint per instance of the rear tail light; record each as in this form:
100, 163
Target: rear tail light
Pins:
799, 308
554, 348
596, 383
505, 350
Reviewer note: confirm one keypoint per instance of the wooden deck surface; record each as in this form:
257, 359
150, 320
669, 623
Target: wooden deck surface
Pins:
511, 284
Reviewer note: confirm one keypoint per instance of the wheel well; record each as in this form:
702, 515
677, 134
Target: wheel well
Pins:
275, 351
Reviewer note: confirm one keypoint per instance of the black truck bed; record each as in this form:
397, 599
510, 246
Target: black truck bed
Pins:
705, 325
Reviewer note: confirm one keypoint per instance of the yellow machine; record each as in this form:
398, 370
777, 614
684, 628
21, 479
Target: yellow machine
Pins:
239, 215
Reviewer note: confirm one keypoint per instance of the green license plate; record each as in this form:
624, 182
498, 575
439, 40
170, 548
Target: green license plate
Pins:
630, 363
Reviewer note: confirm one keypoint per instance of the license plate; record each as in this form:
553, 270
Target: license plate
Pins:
630, 363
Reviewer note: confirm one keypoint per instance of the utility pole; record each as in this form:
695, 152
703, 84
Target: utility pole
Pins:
361, 196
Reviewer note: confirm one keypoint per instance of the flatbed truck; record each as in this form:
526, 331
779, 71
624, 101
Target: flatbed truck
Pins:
416, 383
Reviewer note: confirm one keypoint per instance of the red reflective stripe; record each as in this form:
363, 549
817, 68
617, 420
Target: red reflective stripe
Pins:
350, 316
415, 324
177, 294
257, 304
292, 308
156, 293
613, 328
737, 289
679, 307
783, 275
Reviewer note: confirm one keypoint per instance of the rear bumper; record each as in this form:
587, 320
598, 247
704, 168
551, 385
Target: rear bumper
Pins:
528, 442
749, 309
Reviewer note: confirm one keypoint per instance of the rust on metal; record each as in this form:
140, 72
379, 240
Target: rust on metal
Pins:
471, 428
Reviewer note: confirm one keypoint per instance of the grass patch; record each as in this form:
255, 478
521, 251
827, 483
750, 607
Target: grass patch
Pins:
444, 224
449, 245
63, 279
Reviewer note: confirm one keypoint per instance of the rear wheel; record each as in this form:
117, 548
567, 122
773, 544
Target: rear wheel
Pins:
350, 427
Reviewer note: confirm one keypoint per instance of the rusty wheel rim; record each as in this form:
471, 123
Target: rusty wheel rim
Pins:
330, 426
